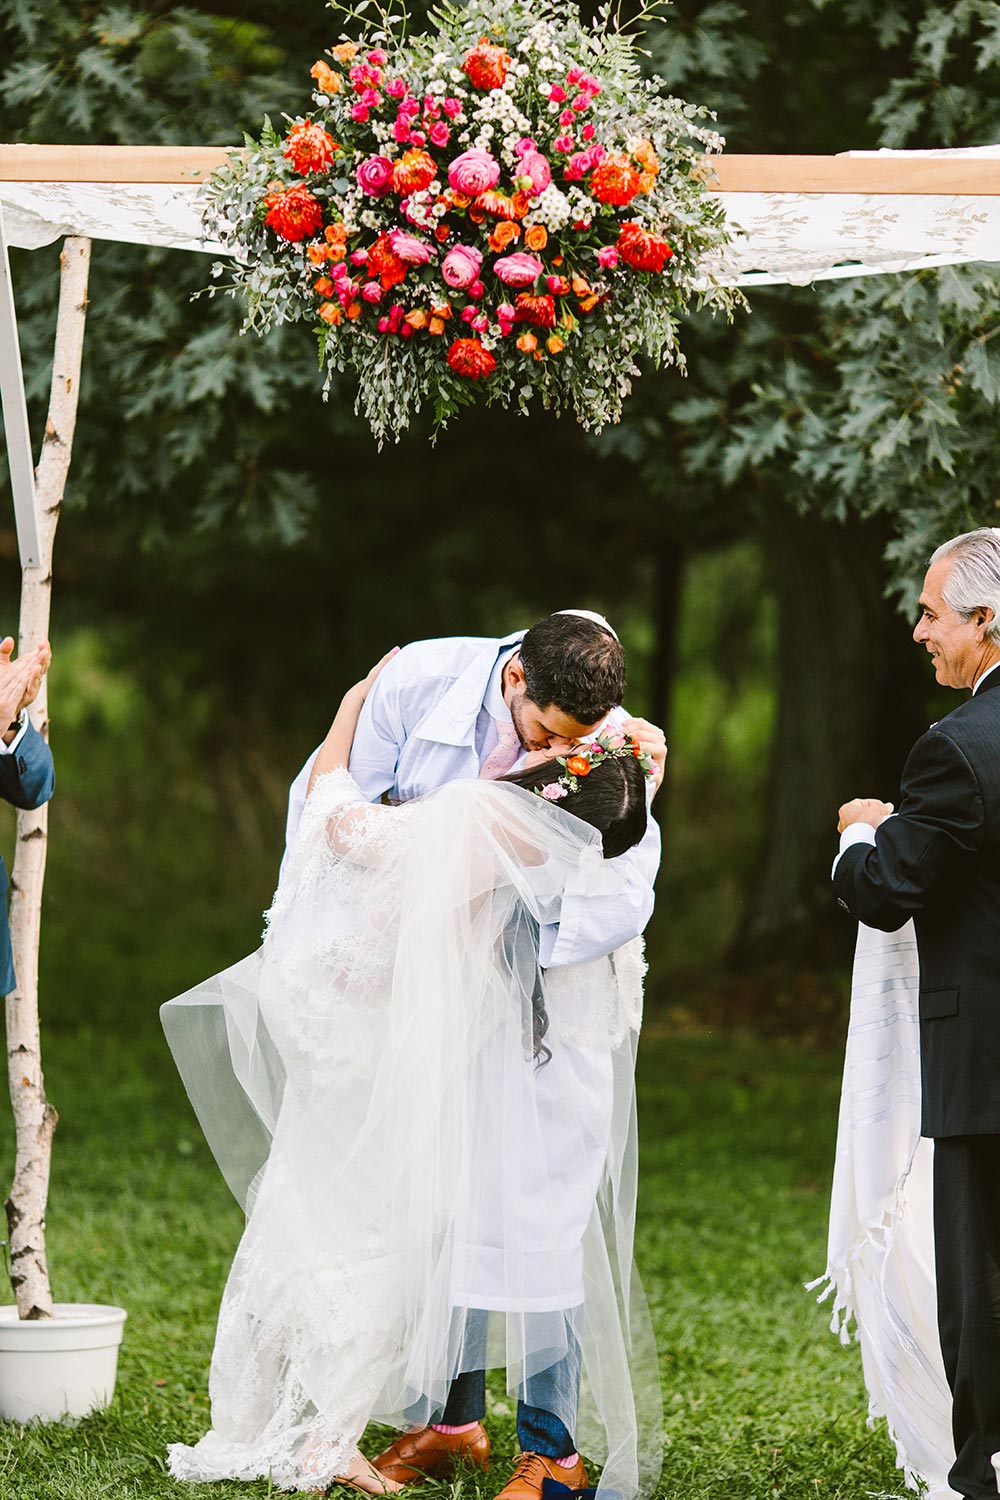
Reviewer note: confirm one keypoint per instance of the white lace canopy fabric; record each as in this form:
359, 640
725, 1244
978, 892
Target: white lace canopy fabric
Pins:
788, 237
368, 1084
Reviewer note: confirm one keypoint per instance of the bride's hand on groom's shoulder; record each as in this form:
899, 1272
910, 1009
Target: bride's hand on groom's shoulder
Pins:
652, 741
863, 810
364, 687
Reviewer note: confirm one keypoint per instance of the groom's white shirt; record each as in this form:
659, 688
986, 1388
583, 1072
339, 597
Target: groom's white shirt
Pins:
429, 720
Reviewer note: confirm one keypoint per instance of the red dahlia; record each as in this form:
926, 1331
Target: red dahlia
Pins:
539, 311
615, 181
486, 66
642, 250
309, 148
470, 358
386, 264
293, 214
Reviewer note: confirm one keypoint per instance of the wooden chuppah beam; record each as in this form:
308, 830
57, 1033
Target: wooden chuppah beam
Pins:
34, 1117
917, 175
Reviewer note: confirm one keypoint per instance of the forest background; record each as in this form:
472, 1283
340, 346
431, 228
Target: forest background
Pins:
234, 552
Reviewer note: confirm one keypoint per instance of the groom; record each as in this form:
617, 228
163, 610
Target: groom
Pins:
467, 707
938, 861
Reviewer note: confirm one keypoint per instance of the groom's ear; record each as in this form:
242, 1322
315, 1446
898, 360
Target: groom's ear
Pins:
515, 671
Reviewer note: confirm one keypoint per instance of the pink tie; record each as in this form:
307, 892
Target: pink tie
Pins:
504, 753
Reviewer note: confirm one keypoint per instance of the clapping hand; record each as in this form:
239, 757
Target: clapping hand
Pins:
652, 742
20, 679
863, 810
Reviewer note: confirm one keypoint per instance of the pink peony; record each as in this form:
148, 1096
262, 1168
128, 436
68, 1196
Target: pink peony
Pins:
440, 134
607, 257
377, 56
401, 130
372, 291
518, 269
375, 176
408, 247
563, 143
359, 113
553, 792
473, 172
526, 143
533, 165
418, 138
460, 266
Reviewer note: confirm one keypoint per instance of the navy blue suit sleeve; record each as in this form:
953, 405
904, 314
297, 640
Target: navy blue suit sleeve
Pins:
940, 824
27, 778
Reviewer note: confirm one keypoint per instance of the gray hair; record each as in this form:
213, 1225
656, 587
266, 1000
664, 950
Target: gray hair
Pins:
974, 580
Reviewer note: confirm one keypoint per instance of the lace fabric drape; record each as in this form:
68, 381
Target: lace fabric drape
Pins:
368, 1085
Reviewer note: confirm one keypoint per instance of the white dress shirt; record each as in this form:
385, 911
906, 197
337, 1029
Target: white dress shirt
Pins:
430, 719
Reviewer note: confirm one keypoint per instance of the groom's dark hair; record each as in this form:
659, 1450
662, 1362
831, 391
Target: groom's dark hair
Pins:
575, 665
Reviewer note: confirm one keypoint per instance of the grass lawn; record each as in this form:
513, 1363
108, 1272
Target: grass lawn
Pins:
737, 1139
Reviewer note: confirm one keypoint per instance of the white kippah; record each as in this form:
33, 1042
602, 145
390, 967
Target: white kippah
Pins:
589, 614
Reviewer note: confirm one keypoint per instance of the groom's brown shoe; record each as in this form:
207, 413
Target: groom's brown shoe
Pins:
426, 1454
531, 1472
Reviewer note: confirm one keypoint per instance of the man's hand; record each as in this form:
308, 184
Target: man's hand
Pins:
651, 740
863, 810
20, 680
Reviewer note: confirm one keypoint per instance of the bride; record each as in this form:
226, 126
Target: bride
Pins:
433, 1141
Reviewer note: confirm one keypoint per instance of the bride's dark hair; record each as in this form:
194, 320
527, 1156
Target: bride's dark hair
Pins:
611, 799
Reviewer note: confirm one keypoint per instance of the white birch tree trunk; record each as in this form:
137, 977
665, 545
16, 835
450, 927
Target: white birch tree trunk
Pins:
34, 1117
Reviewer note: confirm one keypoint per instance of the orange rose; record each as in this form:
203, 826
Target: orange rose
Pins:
327, 81
647, 157
647, 182
581, 287
527, 343
522, 203
476, 215
578, 765
441, 233
589, 303
316, 254
554, 344
460, 200
345, 51
324, 286
417, 318
354, 310
536, 237
330, 313
336, 234
444, 311
503, 235
436, 326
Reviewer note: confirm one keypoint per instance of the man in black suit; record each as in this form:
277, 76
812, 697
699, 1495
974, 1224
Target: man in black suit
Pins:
938, 861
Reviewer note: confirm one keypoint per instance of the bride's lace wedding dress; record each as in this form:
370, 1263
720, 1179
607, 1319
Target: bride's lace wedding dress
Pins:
368, 1083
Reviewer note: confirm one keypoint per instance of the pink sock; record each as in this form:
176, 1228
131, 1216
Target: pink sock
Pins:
450, 1431
567, 1463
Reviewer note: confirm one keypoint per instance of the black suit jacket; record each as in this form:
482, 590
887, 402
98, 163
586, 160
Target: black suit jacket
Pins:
938, 861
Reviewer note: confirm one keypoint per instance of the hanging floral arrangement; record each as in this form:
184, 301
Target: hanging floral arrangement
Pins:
501, 208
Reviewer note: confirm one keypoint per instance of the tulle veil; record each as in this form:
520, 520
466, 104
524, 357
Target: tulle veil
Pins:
425, 1192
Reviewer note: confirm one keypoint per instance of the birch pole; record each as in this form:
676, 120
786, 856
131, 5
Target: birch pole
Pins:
34, 1116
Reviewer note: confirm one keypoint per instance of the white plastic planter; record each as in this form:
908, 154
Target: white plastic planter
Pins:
63, 1366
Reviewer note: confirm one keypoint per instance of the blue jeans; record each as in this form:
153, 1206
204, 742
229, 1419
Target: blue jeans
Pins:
539, 1430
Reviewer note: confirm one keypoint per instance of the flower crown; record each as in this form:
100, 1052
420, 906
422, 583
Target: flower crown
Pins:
611, 745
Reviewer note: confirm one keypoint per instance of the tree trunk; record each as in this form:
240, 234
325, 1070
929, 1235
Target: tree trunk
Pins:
34, 1117
850, 704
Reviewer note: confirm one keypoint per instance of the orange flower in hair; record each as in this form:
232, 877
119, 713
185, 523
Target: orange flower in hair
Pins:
578, 765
